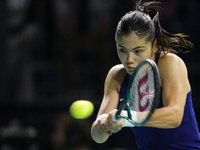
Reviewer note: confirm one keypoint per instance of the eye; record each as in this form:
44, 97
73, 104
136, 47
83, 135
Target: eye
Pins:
138, 51
122, 50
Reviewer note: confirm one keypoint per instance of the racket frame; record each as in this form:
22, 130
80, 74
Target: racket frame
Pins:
127, 98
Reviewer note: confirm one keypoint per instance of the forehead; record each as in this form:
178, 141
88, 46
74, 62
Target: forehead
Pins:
132, 40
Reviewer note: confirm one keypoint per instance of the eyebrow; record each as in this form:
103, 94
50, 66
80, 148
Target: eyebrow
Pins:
133, 48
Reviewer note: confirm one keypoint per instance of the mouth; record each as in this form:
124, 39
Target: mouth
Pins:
131, 69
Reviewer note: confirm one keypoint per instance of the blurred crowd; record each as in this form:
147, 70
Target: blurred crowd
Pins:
54, 52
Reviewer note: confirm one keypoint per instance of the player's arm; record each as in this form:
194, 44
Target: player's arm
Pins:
99, 129
175, 86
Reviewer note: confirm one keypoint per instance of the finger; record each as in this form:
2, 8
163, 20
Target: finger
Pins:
103, 129
109, 127
116, 129
104, 125
110, 133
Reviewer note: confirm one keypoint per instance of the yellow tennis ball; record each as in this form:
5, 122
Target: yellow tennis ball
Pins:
81, 109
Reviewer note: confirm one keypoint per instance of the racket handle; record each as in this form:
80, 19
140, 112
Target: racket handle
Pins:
114, 118
126, 122
133, 113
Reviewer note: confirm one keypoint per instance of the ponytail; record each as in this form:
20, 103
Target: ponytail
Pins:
167, 42
174, 43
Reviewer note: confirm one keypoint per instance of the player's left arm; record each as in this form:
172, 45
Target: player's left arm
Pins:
175, 86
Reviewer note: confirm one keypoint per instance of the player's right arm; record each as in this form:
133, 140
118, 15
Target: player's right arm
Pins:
100, 130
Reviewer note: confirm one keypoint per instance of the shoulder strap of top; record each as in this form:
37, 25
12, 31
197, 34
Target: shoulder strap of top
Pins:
157, 56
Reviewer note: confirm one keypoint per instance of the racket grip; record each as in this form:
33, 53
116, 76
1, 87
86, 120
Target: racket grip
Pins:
133, 113
126, 122
114, 118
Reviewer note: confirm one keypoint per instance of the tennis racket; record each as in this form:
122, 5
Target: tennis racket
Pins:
142, 95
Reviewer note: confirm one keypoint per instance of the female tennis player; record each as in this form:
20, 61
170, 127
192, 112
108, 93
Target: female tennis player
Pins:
173, 125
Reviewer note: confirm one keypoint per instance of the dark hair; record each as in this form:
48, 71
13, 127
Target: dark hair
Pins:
144, 22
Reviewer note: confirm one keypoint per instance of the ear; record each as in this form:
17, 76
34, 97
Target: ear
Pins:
155, 46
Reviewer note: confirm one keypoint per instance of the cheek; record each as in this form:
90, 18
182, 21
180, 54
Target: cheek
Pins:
141, 58
121, 56
148, 54
122, 59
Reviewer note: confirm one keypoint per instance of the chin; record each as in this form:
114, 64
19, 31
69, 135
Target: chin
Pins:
130, 73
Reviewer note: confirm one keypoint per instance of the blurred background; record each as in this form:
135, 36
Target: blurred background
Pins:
54, 52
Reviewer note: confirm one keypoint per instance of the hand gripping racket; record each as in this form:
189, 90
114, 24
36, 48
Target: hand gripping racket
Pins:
142, 95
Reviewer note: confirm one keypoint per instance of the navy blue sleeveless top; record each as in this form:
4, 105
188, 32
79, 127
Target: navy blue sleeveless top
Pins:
184, 137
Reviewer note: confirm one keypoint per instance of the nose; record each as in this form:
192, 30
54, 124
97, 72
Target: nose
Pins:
131, 57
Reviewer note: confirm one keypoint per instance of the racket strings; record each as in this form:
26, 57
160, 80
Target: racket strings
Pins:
142, 97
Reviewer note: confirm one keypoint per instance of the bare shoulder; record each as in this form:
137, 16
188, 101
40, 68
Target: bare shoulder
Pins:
172, 67
116, 75
170, 61
117, 71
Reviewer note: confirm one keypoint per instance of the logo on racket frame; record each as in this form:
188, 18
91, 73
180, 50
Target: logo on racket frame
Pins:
145, 94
